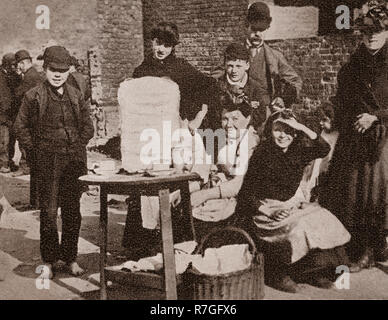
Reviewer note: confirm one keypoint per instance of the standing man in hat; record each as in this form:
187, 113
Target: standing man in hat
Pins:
5, 107
279, 85
31, 76
54, 125
8, 69
357, 190
30, 79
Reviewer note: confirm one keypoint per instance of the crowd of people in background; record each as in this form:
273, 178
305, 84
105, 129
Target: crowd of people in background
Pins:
311, 200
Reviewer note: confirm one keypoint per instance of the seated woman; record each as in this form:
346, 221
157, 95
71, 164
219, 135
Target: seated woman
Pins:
300, 240
214, 204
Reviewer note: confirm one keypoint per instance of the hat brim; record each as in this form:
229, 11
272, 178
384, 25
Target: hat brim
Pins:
260, 25
58, 66
22, 59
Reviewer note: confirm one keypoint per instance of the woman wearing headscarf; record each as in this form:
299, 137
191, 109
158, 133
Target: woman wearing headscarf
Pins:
357, 181
301, 241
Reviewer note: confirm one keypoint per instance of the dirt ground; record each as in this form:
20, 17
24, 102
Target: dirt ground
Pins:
19, 255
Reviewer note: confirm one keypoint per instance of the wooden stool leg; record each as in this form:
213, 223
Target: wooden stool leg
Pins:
186, 203
168, 245
103, 240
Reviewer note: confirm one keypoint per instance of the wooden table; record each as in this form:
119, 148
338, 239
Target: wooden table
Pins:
150, 186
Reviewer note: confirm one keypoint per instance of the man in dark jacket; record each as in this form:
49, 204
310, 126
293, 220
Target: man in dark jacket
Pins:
358, 175
31, 78
279, 84
196, 89
5, 107
54, 126
13, 81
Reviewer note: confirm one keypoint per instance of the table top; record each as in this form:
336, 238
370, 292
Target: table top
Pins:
138, 179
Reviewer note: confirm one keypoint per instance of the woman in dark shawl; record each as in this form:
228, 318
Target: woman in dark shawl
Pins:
357, 189
301, 241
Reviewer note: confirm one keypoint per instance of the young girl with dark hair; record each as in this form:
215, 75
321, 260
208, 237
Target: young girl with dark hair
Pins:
301, 241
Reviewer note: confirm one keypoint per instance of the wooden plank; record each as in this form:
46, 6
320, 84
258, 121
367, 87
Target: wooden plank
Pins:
168, 245
186, 203
103, 240
118, 179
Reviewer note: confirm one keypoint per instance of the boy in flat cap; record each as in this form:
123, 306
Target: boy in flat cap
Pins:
358, 175
237, 86
54, 125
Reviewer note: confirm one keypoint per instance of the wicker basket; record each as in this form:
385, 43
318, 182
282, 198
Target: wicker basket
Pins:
246, 284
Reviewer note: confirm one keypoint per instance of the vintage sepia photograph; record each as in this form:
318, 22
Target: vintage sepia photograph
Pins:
192, 150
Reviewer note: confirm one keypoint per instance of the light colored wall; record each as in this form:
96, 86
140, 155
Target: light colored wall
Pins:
73, 25
292, 22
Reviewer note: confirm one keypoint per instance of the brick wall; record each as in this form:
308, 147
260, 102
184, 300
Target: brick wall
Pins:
205, 27
318, 60
120, 50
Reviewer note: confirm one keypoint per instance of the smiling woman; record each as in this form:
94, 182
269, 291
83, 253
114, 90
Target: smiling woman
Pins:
299, 239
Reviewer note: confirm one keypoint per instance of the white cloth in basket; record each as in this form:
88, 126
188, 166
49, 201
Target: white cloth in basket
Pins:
226, 259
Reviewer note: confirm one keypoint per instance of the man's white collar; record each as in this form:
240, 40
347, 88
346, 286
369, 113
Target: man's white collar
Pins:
241, 83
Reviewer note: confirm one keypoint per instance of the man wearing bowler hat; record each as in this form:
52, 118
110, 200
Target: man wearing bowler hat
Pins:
278, 83
31, 76
276, 78
54, 126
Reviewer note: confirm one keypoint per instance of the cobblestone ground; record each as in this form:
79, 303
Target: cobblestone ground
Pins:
19, 256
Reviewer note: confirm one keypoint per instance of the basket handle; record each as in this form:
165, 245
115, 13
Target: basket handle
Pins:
231, 229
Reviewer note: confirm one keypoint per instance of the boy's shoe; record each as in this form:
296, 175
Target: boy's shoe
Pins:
59, 266
323, 283
286, 284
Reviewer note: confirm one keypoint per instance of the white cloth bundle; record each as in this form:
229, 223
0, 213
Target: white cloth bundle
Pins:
183, 258
147, 105
230, 258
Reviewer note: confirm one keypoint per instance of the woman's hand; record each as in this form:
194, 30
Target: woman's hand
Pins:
300, 127
277, 105
281, 215
364, 122
199, 197
197, 121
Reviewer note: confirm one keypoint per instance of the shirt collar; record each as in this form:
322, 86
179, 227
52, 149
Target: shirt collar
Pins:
250, 45
241, 83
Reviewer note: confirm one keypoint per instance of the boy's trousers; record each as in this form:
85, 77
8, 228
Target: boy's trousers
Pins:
58, 186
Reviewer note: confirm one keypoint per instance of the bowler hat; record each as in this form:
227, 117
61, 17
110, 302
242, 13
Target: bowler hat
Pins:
374, 18
259, 16
8, 59
57, 57
22, 55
